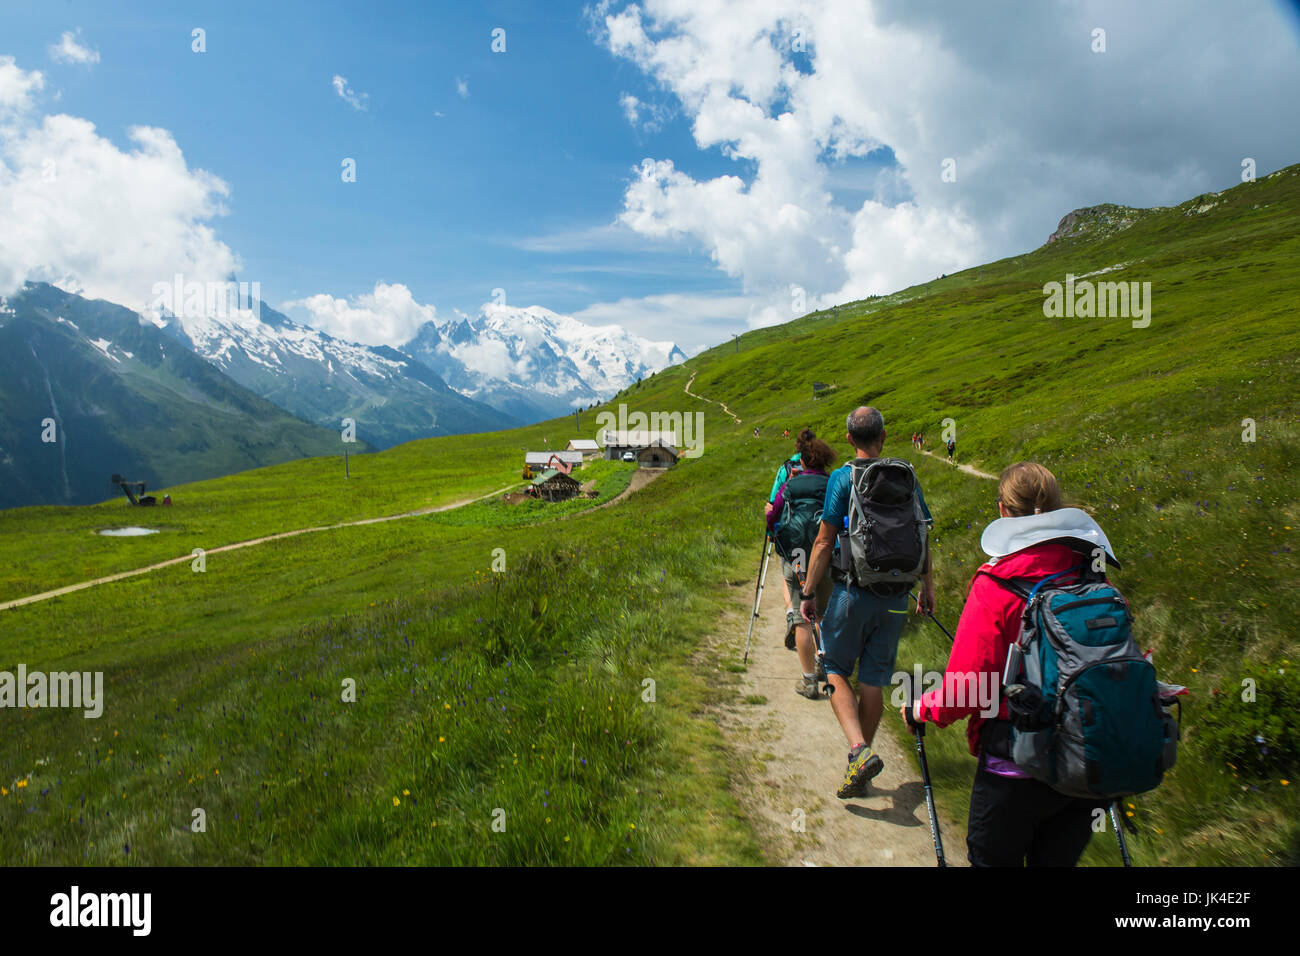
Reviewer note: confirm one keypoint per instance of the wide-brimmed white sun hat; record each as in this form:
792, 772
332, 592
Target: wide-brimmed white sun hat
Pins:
1008, 535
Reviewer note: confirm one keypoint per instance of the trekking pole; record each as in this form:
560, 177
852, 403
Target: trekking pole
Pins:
930, 615
918, 731
758, 592
1119, 833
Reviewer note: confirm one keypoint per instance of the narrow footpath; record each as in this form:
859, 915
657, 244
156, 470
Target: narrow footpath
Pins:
793, 756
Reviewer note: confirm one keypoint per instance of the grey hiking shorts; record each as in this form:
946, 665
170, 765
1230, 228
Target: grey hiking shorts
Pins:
822, 591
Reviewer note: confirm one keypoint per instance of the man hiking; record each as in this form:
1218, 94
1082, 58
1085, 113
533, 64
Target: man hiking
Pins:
952, 448
883, 553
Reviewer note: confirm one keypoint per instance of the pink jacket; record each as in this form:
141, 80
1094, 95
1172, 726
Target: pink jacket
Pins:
989, 623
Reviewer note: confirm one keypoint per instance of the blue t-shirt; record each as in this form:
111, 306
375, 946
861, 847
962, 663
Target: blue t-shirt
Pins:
836, 507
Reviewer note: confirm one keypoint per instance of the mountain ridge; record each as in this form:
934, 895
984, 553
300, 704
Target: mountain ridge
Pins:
88, 389
535, 362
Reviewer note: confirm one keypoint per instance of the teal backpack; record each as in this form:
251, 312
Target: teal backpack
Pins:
801, 517
1087, 714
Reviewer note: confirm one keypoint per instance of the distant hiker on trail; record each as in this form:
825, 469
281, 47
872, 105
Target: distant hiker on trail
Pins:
920, 442
883, 553
794, 519
786, 433
789, 468
1014, 819
952, 448
755, 431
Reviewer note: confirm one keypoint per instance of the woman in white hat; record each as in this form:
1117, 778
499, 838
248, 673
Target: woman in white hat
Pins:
1014, 819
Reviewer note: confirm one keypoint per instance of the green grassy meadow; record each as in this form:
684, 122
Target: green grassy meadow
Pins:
519, 698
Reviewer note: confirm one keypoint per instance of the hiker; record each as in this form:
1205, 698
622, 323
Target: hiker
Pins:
1014, 819
868, 606
755, 431
952, 448
789, 468
794, 519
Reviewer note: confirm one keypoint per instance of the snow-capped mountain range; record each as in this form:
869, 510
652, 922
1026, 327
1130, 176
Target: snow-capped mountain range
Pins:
507, 366
534, 363
390, 397
113, 393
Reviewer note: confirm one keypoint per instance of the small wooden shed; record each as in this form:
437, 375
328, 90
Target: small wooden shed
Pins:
552, 485
587, 447
658, 454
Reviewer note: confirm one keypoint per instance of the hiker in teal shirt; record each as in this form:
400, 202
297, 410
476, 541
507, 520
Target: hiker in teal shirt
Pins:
783, 474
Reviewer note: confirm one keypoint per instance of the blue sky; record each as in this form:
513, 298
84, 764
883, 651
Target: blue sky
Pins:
773, 166
442, 203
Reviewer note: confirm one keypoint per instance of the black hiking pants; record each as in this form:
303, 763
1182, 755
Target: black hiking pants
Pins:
1018, 822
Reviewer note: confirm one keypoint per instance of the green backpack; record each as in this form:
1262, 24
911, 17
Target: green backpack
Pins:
801, 517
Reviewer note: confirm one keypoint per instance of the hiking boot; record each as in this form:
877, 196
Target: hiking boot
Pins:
862, 768
790, 620
807, 688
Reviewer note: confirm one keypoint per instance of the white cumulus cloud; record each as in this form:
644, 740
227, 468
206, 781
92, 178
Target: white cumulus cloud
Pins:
389, 315
17, 87
69, 50
806, 95
78, 211
642, 116
346, 93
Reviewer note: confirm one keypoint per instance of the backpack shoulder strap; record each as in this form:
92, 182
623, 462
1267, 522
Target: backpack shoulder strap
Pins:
1014, 585
1027, 588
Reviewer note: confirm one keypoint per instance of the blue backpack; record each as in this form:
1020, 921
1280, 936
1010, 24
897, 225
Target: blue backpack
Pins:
1087, 715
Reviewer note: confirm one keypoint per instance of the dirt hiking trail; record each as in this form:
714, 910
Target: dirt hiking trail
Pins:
687, 389
793, 755
970, 470
82, 585
640, 479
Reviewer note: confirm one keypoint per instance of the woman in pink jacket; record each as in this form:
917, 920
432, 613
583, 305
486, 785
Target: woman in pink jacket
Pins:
1014, 819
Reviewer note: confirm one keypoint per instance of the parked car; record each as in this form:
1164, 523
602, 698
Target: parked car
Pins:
629, 456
